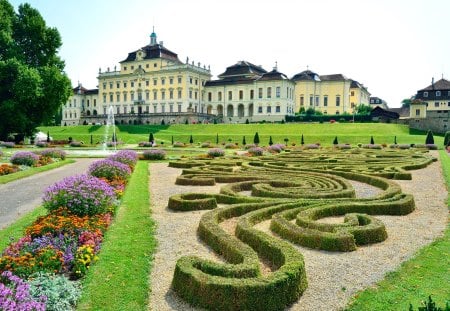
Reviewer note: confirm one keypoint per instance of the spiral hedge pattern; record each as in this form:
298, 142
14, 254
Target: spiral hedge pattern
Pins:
294, 191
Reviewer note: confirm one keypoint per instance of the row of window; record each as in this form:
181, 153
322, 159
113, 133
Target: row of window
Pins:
316, 100
73, 103
438, 104
140, 66
252, 94
438, 93
139, 96
170, 80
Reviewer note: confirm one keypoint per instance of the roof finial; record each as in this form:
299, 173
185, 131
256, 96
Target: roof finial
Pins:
307, 67
153, 37
276, 66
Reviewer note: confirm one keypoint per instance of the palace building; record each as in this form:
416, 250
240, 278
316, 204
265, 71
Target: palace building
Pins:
152, 86
248, 92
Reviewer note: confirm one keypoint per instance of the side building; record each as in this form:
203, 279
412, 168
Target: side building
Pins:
430, 108
248, 92
329, 94
82, 102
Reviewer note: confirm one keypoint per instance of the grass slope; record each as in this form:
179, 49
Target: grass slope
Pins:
428, 273
17, 229
33, 170
352, 133
119, 280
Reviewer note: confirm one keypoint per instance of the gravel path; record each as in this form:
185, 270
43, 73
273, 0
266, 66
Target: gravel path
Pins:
23, 195
333, 278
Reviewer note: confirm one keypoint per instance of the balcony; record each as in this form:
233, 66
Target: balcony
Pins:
139, 102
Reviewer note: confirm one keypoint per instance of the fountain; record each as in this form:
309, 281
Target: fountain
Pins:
104, 151
110, 123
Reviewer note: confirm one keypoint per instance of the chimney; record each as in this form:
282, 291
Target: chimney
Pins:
432, 83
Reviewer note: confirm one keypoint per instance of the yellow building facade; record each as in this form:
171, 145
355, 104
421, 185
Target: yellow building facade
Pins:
152, 86
246, 92
329, 94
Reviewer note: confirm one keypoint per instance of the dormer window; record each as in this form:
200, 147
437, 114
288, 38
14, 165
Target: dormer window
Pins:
438, 93
425, 94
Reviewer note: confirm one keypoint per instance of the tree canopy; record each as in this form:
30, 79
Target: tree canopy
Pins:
33, 84
363, 109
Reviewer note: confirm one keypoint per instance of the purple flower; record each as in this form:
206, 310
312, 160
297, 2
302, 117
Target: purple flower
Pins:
81, 194
154, 154
256, 151
216, 152
53, 153
15, 294
109, 169
24, 158
128, 157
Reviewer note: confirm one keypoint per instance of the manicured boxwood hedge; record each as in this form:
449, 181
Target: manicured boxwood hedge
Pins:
293, 191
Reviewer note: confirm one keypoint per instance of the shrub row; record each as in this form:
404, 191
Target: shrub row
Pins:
240, 284
318, 181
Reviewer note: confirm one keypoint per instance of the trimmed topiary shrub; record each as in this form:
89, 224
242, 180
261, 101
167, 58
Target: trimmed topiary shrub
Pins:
447, 139
429, 140
256, 139
80, 194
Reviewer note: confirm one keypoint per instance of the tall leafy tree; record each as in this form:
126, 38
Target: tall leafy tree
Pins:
33, 85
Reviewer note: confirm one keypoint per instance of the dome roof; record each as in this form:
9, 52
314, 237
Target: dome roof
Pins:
306, 75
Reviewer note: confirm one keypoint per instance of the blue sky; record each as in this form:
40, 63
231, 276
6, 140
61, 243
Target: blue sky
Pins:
394, 47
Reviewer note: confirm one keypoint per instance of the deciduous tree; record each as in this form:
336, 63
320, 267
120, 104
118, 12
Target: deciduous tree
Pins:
33, 85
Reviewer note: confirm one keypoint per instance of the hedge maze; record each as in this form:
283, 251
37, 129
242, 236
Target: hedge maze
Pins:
294, 191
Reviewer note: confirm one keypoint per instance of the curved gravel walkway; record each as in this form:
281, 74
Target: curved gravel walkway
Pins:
333, 278
21, 196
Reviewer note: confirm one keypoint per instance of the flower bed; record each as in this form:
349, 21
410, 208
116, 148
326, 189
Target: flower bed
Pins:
256, 151
178, 144
127, 157
145, 144
216, 152
65, 242
53, 153
154, 154
109, 169
6, 169
24, 158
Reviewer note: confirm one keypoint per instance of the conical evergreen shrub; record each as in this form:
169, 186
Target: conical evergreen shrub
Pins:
447, 139
256, 139
430, 139
335, 141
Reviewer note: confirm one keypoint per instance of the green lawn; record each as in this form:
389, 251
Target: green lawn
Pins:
428, 273
352, 133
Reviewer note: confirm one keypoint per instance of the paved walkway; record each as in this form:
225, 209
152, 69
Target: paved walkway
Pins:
21, 196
